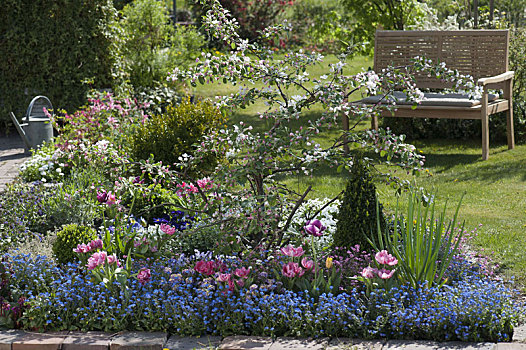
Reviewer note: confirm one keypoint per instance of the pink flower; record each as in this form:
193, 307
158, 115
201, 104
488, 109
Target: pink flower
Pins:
113, 259
97, 259
292, 270
205, 267
112, 199
223, 277
291, 251
144, 276
307, 264
314, 227
384, 258
82, 248
369, 272
242, 272
385, 274
96, 244
169, 230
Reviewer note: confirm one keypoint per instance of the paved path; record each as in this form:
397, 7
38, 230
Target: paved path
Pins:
11, 156
142, 340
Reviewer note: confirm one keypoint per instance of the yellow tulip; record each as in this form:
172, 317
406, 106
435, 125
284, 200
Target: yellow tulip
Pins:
328, 263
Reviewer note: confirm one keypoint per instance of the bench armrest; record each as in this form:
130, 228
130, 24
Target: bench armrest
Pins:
496, 79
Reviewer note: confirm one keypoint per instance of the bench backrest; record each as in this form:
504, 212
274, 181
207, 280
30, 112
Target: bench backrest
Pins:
479, 53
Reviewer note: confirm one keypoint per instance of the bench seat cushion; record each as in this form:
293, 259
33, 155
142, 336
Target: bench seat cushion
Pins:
433, 99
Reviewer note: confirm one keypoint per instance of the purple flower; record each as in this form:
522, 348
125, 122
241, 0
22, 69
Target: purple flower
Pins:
102, 197
314, 227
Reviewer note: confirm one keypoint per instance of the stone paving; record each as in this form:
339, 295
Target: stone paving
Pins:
11, 157
19, 340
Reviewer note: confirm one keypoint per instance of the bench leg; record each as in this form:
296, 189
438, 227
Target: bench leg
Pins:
508, 93
485, 125
374, 123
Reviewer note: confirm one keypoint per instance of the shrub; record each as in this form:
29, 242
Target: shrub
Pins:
151, 46
357, 215
68, 238
67, 40
174, 133
252, 16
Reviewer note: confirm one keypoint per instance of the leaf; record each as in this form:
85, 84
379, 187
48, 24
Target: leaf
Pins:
233, 45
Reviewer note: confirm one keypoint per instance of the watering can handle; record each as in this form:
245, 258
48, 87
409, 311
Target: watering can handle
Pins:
20, 130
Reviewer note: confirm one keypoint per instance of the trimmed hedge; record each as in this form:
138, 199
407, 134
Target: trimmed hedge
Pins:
50, 47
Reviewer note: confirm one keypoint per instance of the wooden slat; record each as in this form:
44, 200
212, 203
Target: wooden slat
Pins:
479, 53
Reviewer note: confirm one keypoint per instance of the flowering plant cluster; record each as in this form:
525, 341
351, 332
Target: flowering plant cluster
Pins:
183, 301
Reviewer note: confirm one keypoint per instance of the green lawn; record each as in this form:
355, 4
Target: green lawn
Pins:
495, 189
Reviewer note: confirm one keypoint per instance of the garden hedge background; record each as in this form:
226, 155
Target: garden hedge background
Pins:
51, 47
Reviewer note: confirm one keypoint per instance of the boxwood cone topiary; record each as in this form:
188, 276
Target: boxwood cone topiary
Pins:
357, 219
68, 238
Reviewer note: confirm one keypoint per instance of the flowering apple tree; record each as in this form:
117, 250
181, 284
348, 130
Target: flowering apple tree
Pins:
249, 200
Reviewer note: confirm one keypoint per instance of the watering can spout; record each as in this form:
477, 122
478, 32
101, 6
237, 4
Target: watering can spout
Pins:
19, 128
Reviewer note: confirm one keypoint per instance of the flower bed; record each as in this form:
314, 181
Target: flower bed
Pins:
142, 245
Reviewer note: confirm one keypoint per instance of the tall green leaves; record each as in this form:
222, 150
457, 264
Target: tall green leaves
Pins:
423, 241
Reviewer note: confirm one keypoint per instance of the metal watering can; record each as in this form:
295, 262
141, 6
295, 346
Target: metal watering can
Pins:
37, 128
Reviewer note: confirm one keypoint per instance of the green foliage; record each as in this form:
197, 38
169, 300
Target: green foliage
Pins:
319, 24
64, 43
424, 243
358, 211
74, 200
386, 14
170, 135
151, 46
68, 238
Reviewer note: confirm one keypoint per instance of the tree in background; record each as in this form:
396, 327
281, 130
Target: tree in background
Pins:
370, 15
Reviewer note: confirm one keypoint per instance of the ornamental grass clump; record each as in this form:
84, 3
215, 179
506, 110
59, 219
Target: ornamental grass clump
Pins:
423, 242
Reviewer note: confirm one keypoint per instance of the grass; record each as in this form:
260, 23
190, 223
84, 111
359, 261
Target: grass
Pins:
495, 189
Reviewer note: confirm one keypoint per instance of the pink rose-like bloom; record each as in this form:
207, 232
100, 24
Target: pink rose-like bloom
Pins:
97, 259
307, 264
385, 274
144, 276
369, 272
292, 269
82, 248
223, 277
169, 230
291, 251
96, 244
384, 258
314, 227
113, 259
205, 267
242, 272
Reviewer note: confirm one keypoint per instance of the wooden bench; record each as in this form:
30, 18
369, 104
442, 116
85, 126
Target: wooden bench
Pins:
482, 54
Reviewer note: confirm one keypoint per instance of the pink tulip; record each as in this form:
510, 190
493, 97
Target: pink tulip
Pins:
292, 252
82, 248
144, 276
385, 274
369, 272
205, 267
96, 244
307, 264
242, 272
384, 258
169, 230
292, 270
223, 277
